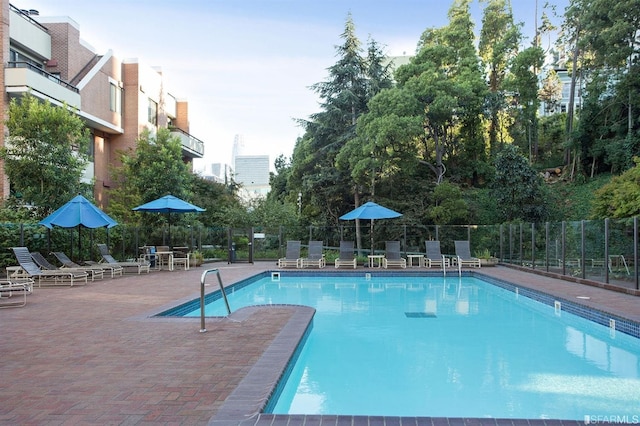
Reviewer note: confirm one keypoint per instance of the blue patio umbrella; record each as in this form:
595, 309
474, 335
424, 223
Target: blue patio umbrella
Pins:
78, 212
169, 204
371, 211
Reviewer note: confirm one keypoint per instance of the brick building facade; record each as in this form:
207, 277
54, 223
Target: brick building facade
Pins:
117, 99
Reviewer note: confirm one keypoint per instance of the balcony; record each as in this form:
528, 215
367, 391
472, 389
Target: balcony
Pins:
191, 147
23, 77
27, 33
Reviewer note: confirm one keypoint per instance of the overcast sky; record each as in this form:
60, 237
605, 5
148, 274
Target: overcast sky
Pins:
245, 66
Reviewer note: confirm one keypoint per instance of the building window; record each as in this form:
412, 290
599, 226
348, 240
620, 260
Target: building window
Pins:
115, 98
91, 147
153, 112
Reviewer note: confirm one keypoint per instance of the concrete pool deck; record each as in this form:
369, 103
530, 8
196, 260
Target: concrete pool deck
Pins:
91, 354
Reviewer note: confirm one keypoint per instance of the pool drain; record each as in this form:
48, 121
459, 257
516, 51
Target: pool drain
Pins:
420, 314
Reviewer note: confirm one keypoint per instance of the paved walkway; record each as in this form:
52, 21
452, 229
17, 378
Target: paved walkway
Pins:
91, 354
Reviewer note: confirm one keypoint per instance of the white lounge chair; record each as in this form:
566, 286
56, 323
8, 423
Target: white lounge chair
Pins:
315, 257
110, 260
463, 254
434, 256
346, 257
34, 272
68, 263
392, 257
292, 256
44, 264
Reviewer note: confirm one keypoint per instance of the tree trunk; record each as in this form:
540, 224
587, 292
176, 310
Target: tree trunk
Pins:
570, 108
356, 199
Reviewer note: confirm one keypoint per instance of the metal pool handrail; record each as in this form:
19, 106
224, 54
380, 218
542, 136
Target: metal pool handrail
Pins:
224, 296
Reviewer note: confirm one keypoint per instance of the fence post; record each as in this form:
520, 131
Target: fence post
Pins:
229, 245
582, 249
606, 250
546, 245
635, 251
563, 238
500, 248
510, 243
521, 254
533, 245
251, 245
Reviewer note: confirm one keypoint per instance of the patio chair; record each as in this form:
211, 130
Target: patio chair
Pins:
315, 257
164, 257
68, 263
181, 257
110, 260
434, 256
463, 254
346, 257
392, 257
292, 256
57, 277
43, 263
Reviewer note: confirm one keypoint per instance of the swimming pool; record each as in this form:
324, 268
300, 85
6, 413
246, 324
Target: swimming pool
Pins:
454, 347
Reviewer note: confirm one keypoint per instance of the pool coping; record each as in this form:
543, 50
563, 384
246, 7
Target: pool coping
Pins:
245, 404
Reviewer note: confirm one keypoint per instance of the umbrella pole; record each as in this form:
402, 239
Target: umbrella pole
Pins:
372, 252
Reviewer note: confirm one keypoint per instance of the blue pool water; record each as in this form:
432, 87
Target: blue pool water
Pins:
450, 347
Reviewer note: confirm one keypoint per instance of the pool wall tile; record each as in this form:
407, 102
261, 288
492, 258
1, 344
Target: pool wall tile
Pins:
623, 325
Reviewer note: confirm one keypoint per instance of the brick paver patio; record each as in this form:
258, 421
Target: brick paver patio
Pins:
91, 354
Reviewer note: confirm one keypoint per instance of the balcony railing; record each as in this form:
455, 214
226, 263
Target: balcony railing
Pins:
36, 69
26, 15
192, 146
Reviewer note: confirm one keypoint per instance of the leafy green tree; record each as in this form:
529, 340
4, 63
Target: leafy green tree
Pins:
449, 206
524, 81
551, 139
217, 199
45, 154
620, 198
154, 169
518, 189
445, 80
551, 91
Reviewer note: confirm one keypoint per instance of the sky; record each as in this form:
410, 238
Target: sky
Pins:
246, 67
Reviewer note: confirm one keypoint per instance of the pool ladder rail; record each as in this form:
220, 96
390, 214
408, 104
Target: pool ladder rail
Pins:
203, 329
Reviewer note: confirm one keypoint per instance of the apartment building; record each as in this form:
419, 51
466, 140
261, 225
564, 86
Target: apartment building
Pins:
116, 98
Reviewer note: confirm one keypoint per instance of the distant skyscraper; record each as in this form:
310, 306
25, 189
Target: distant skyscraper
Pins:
252, 172
238, 149
220, 173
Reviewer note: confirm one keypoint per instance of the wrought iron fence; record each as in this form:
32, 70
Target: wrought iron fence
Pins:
604, 251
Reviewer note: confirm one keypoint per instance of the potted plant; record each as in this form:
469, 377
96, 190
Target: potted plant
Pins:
196, 258
485, 258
